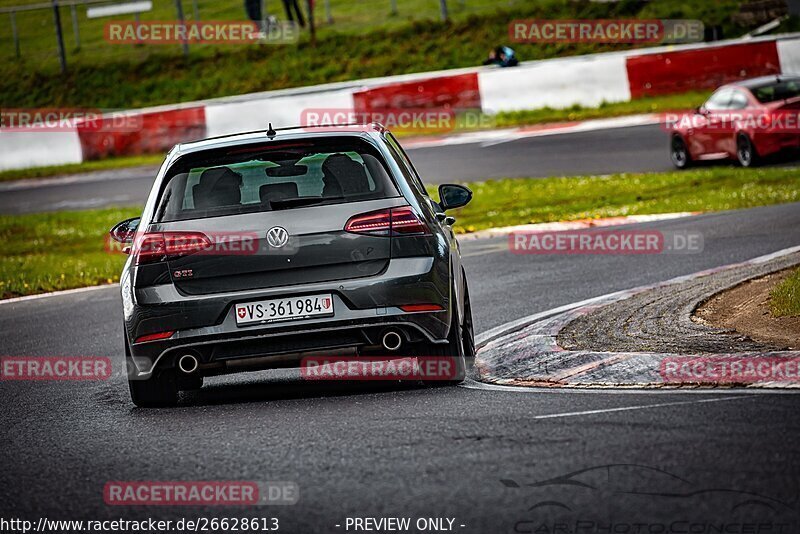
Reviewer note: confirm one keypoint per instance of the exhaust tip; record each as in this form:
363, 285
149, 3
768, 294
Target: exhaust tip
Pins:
391, 340
188, 363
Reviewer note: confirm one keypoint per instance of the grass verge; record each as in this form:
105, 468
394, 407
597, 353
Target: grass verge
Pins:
54, 251
522, 201
104, 75
785, 297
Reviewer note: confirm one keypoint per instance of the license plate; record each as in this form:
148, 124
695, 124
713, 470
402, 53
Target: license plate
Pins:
285, 309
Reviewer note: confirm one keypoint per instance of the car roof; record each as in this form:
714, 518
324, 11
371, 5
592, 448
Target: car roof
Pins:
281, 134
754, 83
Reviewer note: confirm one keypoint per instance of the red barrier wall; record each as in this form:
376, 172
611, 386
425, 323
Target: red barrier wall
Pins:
457, 92
153, 132
704, 68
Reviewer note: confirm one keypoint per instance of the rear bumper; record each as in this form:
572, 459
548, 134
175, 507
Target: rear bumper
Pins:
205, 325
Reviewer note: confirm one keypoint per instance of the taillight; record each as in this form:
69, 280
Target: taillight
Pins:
421, 308
154, 337
393, 221
160, 246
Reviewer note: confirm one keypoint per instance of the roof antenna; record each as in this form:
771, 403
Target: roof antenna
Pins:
271, 133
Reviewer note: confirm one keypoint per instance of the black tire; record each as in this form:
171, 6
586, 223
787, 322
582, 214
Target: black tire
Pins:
160, 390
467, 331
454, 348
746, 153
679, 153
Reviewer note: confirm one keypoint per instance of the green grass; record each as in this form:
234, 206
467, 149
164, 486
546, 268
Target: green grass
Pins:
785, 298
53, 251
522, 201
87, 166
363, 42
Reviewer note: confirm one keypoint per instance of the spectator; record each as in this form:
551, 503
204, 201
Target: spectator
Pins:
290, 6
253, 10
503, 56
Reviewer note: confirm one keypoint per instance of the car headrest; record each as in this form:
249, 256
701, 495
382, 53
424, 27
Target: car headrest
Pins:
342, 173
217, 187
279, 191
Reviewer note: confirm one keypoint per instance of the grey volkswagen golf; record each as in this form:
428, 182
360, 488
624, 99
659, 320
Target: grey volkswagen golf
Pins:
256, 249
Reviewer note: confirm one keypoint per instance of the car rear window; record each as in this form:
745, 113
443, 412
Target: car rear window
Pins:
777, 91
273, 176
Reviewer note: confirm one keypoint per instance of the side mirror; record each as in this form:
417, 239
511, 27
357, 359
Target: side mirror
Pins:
453, 196
124, 231
701, 110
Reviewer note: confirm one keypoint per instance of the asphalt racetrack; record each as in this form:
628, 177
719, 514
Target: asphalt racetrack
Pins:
491, 460
632, 149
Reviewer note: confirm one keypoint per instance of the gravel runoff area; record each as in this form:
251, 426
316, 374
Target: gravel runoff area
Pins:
627, 338
660, 320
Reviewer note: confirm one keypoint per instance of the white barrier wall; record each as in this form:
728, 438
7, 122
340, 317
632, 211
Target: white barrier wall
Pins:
789, 55
555, 83
225, 118
22, 150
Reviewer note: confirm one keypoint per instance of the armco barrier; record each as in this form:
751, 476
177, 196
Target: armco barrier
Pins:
558, 83
159, 131
701, 68
449, 92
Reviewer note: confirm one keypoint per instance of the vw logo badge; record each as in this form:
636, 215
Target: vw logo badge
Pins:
277, 236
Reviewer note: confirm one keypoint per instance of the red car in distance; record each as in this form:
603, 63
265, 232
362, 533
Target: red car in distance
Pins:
745, 121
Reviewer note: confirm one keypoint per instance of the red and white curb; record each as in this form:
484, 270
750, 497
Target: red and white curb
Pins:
531, 340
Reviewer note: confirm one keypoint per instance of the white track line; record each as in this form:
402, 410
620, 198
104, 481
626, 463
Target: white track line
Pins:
632, 408
628, 390
57, 293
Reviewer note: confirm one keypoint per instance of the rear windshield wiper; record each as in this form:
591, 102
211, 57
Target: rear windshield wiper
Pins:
299, 201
